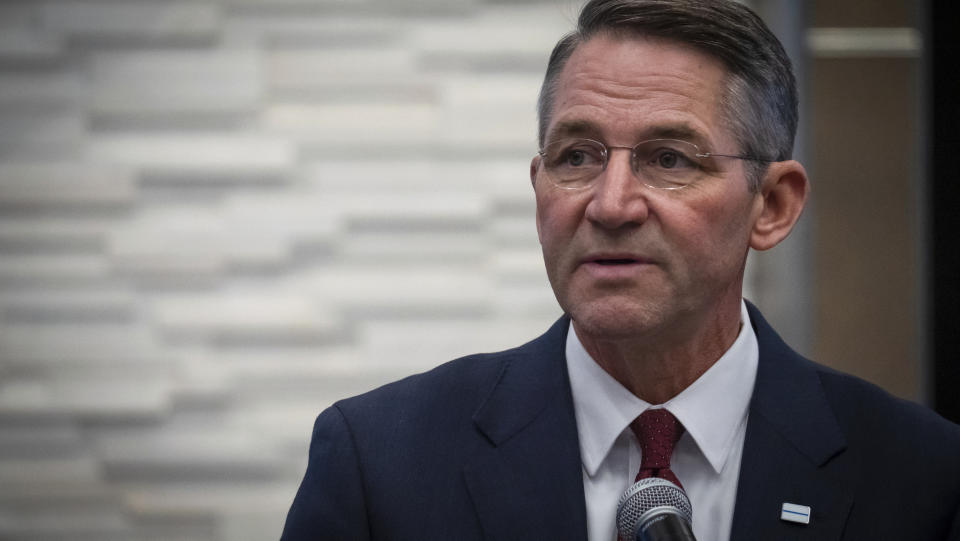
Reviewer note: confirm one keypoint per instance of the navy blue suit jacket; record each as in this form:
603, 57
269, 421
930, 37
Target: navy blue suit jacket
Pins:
485, 447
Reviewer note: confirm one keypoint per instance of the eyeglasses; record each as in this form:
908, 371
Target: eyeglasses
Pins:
666, 164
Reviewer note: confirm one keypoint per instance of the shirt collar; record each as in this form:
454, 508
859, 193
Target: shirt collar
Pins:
711, 408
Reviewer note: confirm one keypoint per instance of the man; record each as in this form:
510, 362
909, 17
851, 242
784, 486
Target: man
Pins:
666, 129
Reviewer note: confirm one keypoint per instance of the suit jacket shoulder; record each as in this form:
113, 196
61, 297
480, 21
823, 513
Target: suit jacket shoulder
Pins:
481, 447
869, 465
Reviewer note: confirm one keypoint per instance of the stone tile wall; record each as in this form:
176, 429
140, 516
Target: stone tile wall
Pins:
218, 217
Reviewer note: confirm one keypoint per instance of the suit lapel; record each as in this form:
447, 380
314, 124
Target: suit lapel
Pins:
526, 483
793, 451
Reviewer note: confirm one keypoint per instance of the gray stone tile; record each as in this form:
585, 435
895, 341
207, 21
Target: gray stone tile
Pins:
58, 184
146, 21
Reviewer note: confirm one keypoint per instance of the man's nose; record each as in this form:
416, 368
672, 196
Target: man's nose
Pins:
619, 198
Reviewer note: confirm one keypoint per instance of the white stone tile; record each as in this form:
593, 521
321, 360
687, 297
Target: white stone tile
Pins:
67, 87
285, 216
49, 471
416, 247
313, 67
321, 29
208, 240
53, 233
264, 314
483, 182
330, 361
79, 344
171, 253
201, 497
389, 126
76, 521
471, 90
254, 524
29, 131
85, 398
29, 44
526, 299
500, 124
280, 6
19, 15
370, 125
147, 20
205, 446
41, 269
71, 305
176, 81
423, 344
518, 264
41, 440
64, 184
62, 494
286, 423
438, 287
223, 156
516, 231
501, 28
438, 207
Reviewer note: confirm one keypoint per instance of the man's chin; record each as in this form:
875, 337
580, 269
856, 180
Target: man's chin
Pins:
611, 320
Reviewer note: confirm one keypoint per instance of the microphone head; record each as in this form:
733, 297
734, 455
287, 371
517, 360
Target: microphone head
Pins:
645, 500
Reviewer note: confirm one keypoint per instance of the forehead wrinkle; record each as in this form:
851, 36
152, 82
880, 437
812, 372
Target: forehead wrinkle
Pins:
600, 97
672, 118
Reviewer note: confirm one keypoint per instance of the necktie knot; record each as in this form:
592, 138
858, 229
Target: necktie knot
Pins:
658, 431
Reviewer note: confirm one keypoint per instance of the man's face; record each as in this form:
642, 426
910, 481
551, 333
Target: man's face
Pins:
626, 260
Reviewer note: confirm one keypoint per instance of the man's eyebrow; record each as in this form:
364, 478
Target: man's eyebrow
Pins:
573, 128
675, 131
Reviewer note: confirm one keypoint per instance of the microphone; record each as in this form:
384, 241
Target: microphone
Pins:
654, 509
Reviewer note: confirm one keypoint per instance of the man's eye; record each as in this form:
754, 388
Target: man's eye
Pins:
671, 159
667, 160
576, 158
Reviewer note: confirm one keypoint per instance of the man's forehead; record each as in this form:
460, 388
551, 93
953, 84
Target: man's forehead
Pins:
625, 43
660, 88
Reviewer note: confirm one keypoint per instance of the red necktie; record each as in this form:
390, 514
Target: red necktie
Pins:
657, 430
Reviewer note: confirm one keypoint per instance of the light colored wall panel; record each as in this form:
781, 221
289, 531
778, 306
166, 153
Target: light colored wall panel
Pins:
137, 20
26, 45
215, 157
22, 270
32, 232
155, 82
41, 134
66, 88
56, 184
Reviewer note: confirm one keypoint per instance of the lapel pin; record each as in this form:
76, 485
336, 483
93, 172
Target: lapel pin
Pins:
792, 512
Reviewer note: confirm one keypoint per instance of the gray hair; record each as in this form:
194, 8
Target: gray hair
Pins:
760, 100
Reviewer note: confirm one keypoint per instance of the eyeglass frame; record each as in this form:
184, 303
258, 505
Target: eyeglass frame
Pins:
605, 152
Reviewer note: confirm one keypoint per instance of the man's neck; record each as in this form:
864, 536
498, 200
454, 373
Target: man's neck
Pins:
658, 368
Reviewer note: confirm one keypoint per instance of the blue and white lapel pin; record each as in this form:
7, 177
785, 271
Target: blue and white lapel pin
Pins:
792, 512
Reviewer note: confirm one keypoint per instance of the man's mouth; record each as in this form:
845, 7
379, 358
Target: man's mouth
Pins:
616, 261
614, 266
614, 258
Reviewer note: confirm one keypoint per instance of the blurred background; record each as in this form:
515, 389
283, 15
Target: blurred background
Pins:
218, 217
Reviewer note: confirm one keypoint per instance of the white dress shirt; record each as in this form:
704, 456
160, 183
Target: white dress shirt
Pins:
713, 410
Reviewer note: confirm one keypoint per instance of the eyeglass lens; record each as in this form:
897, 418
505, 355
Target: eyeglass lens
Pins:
659, 163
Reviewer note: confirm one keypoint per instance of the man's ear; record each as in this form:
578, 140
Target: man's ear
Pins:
784, 192
534, 167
